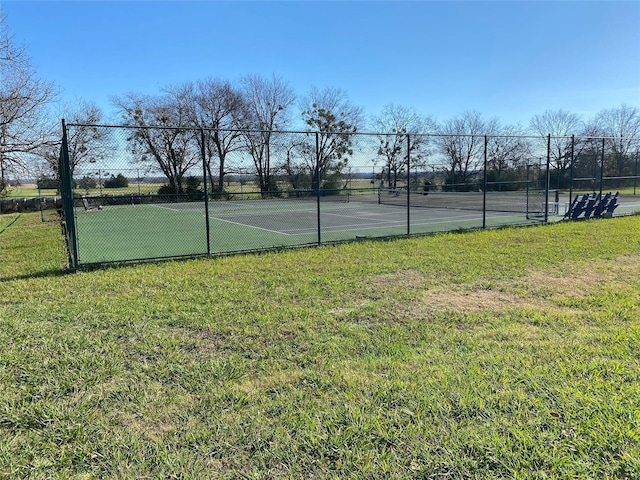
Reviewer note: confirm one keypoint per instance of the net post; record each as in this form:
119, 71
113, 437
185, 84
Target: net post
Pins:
206, 193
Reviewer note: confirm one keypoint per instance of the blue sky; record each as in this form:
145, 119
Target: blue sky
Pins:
510, 60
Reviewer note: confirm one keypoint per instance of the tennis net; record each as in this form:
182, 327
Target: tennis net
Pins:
530, 202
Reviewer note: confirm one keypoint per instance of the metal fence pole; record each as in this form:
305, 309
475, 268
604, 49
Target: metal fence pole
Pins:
635, 175
571, 167
547, 180
484, 186
602, 168
317, 174
66, 190
206, 193
408, 184
40, 202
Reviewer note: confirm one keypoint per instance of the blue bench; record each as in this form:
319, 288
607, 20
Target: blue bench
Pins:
592, 206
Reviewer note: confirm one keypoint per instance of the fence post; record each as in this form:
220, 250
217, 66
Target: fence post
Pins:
547, 180
484, 186
206, 193
317, 174
66, 190
40, 202
635, 175
602, 167
571, 167
408, 184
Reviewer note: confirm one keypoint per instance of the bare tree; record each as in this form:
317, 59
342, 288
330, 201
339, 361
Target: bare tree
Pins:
216, 107
507, 152
266, 104
24, 123
402, 134
622, 127
587, 151
86, 140
461, 140
334, 119
561, 125
161, 131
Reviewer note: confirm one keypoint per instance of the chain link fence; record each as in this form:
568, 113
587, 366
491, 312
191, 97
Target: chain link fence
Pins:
133, 193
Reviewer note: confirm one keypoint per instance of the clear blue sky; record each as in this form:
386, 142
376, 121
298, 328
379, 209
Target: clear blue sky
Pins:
511, 60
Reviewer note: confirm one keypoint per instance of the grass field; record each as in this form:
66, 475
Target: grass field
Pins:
507, 353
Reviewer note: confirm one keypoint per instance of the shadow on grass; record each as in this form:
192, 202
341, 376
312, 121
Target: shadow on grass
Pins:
10, 224
50, 273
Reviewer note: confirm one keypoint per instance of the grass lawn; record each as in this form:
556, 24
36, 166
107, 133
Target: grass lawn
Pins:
508, 353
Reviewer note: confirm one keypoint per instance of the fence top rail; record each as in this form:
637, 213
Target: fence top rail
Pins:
313, 132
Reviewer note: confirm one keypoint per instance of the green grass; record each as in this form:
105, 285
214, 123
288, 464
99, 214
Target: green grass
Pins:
30, 190
509, 353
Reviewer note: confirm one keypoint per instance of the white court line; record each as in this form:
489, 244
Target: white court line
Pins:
167, 208
174, 209
251, 226
359, 217
389, 224
380, 222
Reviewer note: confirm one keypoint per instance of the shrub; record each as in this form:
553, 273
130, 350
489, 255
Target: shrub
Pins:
47, 183
166, 190
116, 182
193, 185
87, 183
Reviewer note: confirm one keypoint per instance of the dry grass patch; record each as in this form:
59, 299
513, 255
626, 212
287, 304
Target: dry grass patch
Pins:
619, 270
538, 290
402, 279
470, 301
277, 381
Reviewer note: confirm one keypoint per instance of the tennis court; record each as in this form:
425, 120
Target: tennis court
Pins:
307, 197
172, 229
140, 231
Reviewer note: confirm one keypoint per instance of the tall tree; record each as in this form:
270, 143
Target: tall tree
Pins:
24, 123
507, 153
216, 107
334, 120
161, 132
86, 140
266, 104
461, 141
622, 127
401, 134
561, 125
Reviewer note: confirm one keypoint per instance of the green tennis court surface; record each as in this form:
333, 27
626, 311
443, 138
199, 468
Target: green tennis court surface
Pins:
132, 232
